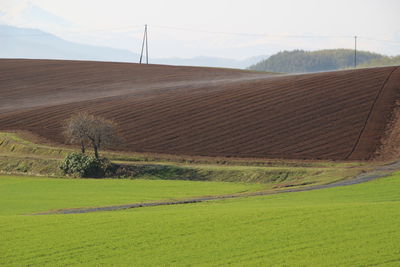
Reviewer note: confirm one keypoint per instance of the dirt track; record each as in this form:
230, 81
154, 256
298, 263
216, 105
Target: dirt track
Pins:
206, 111
378, 172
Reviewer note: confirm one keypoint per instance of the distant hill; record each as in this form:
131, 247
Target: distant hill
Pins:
300, 61
28, 14
35, 44
210, 61
383, 61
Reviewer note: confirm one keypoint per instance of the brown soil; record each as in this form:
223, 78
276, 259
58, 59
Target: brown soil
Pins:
207, 111
390, 149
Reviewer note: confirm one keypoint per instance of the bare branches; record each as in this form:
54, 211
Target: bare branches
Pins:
84, 129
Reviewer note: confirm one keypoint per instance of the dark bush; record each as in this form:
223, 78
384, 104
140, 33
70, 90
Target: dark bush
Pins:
81, 165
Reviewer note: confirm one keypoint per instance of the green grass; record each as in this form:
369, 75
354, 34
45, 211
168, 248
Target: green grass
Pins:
21, 195
29, 165
349, 226
20, 156
17, 144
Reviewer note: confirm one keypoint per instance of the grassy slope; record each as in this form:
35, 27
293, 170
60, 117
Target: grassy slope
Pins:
348, 226
18, 155
21, 195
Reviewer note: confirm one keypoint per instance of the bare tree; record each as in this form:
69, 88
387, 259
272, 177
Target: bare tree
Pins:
84, 129
76, 129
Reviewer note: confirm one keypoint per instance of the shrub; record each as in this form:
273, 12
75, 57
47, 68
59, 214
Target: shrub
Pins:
81, 165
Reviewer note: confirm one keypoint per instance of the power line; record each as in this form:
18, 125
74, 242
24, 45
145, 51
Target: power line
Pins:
378, 40
276, 35
211, 32
41, 33
252, 34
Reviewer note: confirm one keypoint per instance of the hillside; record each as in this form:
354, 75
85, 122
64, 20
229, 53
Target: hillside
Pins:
381, 62
36, 44
300, 61
206, 111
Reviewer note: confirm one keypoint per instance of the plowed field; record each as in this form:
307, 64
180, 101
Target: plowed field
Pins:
206, 111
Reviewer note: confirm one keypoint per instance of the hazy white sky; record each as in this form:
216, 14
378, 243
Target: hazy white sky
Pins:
119, 23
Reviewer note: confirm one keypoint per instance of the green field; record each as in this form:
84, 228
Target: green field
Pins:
348, 226
21, 195
355, 225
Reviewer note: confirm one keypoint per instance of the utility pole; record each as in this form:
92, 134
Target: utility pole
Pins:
355, 51
147, 46
145, 42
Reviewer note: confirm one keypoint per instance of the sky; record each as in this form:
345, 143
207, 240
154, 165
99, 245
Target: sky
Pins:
217, 28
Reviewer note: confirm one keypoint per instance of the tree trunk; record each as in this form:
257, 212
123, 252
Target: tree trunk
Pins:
82, 147
96, 153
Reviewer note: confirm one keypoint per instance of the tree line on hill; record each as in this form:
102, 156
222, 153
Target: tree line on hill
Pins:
383, 61
300, 61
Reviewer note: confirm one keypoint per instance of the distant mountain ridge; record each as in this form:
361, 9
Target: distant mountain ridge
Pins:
300, 61
211, 61
36, 44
